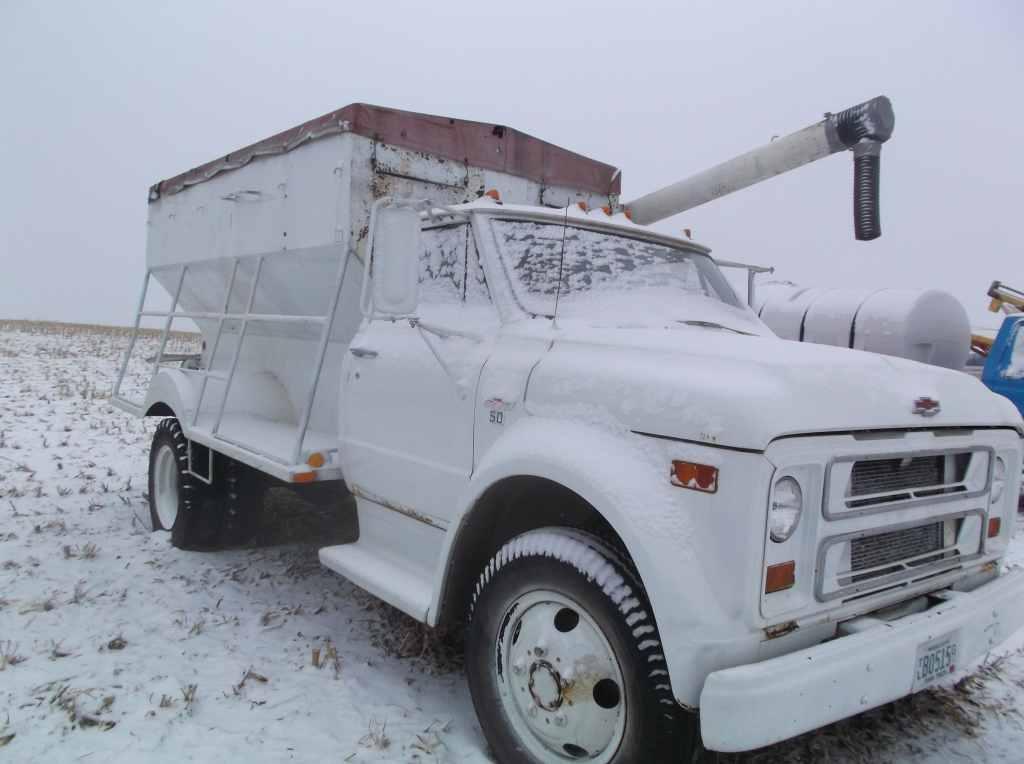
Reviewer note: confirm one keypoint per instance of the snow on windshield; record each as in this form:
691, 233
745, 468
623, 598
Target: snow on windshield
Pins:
602, 271
1015, 369
443, 264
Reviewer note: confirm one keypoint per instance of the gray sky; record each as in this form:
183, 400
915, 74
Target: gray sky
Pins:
101, 99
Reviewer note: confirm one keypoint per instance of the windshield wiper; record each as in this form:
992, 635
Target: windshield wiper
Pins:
713, 325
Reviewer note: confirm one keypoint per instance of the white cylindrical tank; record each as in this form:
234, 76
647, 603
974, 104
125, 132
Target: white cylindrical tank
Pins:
924, 325
783, 308
830, 319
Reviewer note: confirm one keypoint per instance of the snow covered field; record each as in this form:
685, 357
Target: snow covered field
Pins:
116, 647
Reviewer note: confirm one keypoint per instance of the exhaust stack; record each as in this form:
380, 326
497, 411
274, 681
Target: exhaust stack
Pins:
862, 128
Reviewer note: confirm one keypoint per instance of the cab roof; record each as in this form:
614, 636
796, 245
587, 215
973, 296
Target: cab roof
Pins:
594, 217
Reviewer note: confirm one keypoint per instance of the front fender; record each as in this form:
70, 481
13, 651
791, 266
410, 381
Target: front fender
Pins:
625, 477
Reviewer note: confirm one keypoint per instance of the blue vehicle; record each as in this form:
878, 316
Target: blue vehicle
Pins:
1004, 368
1003, 372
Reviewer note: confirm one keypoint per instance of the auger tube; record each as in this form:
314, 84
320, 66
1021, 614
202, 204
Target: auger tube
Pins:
862, 128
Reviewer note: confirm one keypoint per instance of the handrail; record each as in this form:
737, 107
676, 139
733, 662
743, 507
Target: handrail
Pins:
167, 325
752, 272
245, 317
238, 348
281, 318
216, 344
325, 339
131, 342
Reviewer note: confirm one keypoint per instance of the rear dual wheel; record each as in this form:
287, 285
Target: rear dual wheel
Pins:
165, 491
564, 660
198, 515
178, 501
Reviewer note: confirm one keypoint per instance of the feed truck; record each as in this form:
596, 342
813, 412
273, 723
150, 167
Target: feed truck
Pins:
664, 530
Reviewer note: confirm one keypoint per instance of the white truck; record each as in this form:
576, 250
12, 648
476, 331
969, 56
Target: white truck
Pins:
664, 529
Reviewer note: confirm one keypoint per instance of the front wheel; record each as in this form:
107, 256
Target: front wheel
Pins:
564, 660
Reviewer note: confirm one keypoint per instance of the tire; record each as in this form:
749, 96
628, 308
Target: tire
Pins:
564, 659
243, 504
178, 502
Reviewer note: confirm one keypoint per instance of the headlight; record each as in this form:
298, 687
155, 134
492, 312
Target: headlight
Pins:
787, 504
998, 479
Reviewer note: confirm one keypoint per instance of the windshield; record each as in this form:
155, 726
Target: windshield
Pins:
607, 274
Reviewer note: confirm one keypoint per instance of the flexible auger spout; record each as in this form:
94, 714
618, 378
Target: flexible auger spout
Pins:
862, 128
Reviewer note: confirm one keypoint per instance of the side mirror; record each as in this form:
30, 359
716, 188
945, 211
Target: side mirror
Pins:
396, 261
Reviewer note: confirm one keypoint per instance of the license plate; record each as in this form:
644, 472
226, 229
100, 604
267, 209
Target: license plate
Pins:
937, 658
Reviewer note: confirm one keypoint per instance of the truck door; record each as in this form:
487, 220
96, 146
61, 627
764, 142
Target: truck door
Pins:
1004, 369
408, 394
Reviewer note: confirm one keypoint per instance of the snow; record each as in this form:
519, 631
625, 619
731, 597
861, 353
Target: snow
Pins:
79, 569
599, 262
1015, 369
569, 548
163, 655
926, 325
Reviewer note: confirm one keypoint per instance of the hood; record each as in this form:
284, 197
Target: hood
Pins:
721, 388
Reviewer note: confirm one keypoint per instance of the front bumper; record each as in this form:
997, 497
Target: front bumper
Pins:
758, 704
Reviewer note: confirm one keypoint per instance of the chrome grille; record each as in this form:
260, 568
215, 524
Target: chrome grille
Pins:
885, 475
877, 554
883, 481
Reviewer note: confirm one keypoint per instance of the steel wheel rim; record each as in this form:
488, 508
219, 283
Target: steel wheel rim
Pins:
560, 682
165, 487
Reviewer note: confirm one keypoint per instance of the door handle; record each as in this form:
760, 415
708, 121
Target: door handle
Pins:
363, 352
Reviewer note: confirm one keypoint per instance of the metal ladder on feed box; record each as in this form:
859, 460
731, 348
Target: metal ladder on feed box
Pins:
214, 440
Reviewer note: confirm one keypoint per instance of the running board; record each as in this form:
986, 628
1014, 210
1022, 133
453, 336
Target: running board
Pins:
370, 570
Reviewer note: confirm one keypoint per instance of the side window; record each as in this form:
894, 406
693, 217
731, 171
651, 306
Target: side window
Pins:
453, 287
443, 264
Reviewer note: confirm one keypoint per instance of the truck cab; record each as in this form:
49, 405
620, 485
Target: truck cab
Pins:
589, 362
1003, 372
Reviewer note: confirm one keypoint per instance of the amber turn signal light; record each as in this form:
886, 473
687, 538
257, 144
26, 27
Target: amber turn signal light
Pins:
696, 477
994, 526
781, 576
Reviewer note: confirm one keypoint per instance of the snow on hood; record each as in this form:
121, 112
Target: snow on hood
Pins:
715, 386
663, 309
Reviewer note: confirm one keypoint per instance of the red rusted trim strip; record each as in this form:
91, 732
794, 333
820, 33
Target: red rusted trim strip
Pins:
491, 147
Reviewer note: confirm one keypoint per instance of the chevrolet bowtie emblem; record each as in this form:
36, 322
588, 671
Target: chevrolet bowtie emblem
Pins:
926, 406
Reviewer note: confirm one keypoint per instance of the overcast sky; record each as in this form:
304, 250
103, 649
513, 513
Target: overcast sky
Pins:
101, 99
